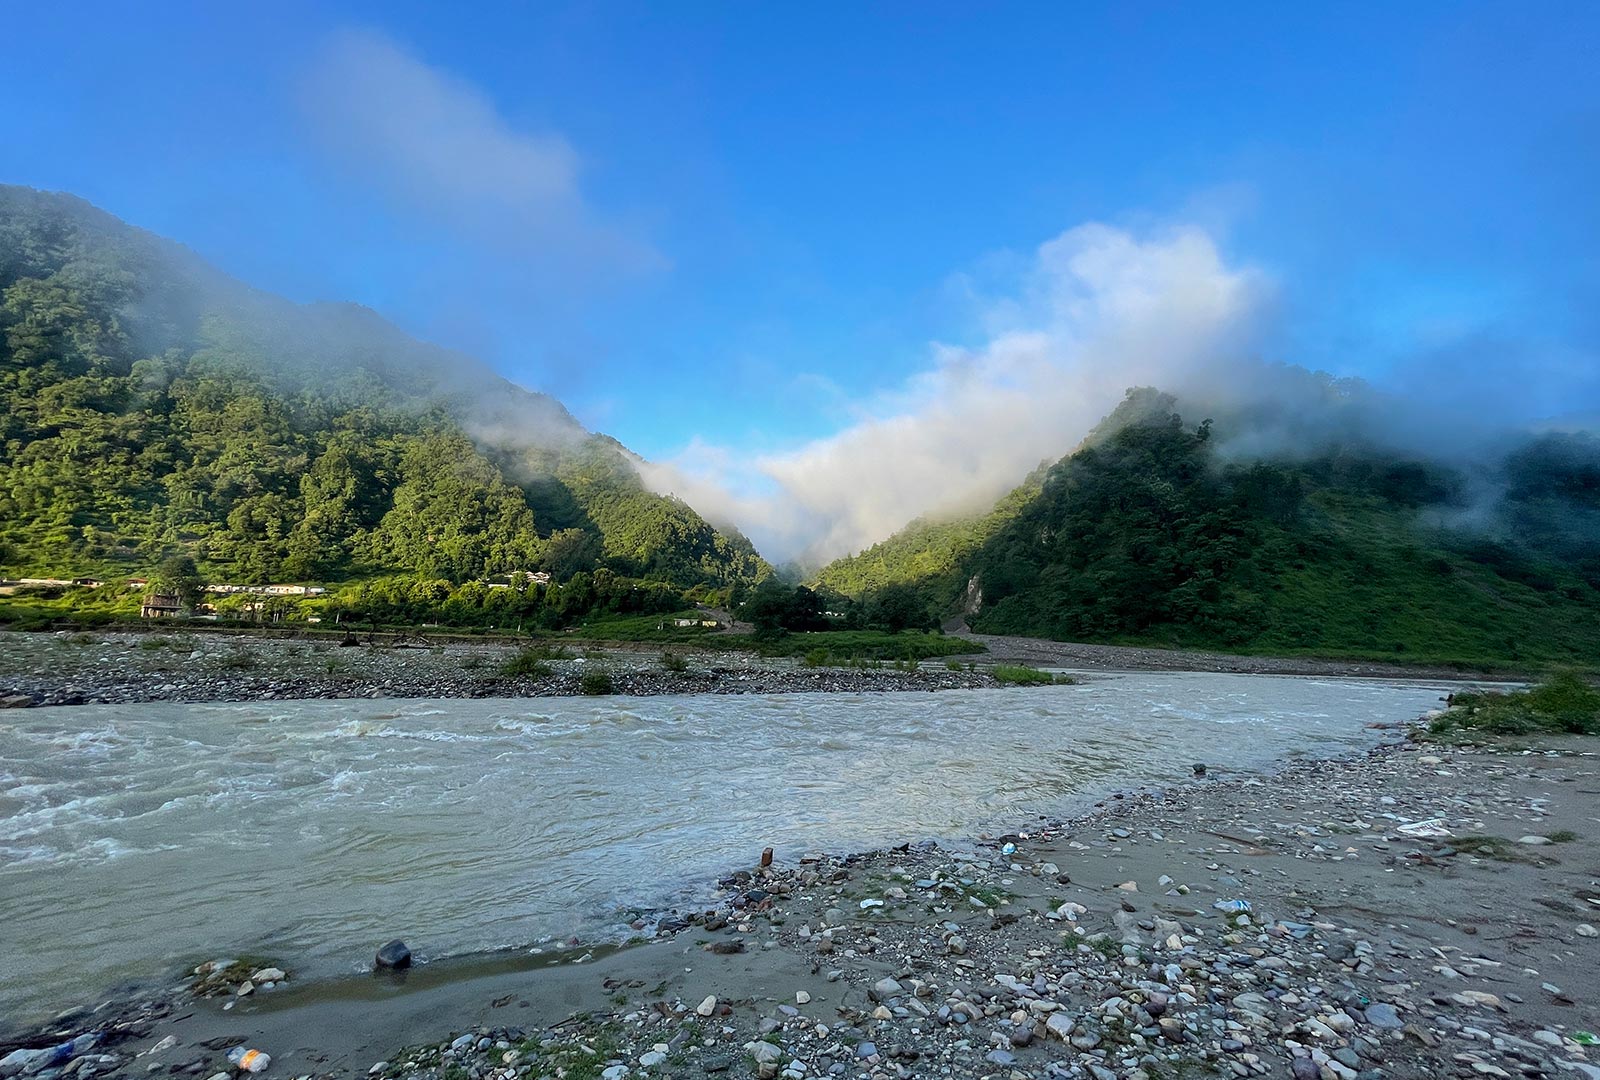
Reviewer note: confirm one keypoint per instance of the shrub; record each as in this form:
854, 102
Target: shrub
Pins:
674, 663
596, 682
528, 663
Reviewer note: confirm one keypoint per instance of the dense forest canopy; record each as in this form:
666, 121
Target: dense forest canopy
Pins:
1153, 532
151, 405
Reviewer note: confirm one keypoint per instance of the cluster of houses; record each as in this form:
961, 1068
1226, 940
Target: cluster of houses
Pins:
158, 604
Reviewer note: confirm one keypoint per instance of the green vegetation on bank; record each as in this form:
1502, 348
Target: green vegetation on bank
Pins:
839, 646
1150, 534
1564, 704
150, 406
1016, 675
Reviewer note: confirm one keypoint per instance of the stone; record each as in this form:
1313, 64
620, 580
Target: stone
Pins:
1586, 930
394, 956
884, 989
1303, 1068
1381, 1015
615, 1072
652, 1059
706, 1007
1000, 1057
802, 998
866, 1050
1534, 841
1059, 1025
269, 974
15, 701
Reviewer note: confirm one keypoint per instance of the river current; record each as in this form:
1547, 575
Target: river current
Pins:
139, 839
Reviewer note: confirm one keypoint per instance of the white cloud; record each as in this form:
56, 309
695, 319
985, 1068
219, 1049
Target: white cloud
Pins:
1099, 310
438, 144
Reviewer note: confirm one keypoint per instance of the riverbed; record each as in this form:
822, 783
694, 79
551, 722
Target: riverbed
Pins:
139, 839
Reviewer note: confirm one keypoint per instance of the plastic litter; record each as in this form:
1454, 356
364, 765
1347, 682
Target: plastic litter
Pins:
1233, 907
28, 1062
1008, 849
1586, 1038
247, 1060
865, 904
1430, 827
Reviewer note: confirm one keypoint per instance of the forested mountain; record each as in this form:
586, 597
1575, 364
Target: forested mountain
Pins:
1152, 532
150, 405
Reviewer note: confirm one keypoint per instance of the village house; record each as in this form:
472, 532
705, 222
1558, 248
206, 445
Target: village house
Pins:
159, 605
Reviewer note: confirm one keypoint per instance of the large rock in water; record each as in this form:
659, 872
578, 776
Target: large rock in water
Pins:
394, 956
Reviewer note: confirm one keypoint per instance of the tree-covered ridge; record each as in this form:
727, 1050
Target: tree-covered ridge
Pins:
148, 404
1151, 533
929, 556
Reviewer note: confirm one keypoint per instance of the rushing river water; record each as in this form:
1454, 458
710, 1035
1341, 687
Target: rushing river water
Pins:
136, 838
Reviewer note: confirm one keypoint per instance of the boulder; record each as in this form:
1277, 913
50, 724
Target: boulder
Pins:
394, 956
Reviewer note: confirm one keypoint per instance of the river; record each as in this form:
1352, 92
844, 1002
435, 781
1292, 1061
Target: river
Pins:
139, 839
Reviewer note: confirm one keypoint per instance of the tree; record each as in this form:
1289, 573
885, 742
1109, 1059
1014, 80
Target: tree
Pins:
898, 607
178, 575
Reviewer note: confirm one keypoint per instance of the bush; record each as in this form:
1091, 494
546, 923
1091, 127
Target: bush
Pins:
596, 682
674, 663
815, 658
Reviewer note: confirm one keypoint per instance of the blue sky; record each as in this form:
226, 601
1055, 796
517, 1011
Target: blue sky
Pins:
758, 227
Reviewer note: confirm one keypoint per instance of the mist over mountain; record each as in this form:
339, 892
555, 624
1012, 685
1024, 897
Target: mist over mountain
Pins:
1058, 339
1269, 527
153, 405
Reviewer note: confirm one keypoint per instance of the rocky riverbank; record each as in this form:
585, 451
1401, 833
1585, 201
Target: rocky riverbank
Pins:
88, 668
1065, 654
1413, 912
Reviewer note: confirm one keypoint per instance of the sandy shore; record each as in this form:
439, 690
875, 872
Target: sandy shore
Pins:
1373, 947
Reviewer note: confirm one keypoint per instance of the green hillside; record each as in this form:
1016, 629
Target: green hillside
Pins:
150, 405
929, 555
1150, 534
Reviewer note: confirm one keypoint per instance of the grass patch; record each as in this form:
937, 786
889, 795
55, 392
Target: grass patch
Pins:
1494, 848
989, 896
847, 645
1105, 945
643, 628
1017, 675
1564, 704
